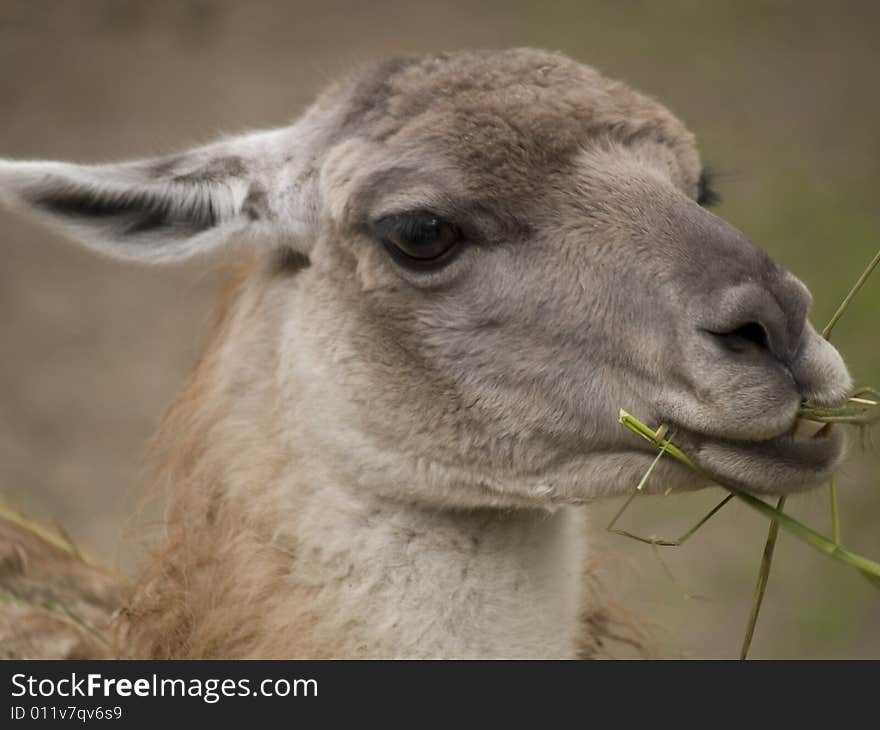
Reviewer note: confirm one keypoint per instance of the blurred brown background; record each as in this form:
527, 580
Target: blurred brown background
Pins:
783, 96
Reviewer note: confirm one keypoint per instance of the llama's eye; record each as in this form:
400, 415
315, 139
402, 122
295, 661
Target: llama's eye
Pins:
419, 238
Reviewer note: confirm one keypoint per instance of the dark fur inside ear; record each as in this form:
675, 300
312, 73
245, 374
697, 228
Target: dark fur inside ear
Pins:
172, 208
131, 213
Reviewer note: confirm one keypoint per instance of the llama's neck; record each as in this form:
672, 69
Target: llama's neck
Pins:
269, 557
301, 568
285, 541
407, 566
383, 578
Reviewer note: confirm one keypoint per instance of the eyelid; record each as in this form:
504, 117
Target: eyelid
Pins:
392, 223
406, 213
476, 225
389, 223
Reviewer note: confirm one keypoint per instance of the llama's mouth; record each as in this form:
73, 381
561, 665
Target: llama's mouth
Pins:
802, 457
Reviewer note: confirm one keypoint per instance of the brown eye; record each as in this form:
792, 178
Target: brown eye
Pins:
418, 239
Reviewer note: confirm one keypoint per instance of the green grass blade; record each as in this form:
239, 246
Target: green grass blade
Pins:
860, 282
761, 586
835, 513
661, 541
869, 568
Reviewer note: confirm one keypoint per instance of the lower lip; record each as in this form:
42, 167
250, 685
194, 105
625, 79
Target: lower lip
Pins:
783, 463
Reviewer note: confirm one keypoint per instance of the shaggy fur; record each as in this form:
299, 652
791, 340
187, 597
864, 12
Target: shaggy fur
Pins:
381, 458
54, 603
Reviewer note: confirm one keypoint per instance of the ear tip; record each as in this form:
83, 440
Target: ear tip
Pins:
7, 168
15, 171
10, 174
15, 177
19, 177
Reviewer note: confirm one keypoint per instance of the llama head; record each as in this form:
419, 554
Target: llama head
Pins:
504, 248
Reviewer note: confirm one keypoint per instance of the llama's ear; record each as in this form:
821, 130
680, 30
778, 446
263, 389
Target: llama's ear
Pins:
174, 207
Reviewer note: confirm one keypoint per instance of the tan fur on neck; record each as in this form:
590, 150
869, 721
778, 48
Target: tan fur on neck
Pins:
219, 585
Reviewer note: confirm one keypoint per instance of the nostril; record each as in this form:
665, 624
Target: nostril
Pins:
749, 318
752, 333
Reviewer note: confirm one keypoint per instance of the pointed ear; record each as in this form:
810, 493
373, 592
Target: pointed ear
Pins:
174, 207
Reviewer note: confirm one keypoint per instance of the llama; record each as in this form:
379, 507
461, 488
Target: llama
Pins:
453, 271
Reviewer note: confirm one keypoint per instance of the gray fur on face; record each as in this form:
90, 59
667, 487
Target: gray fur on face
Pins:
589, 279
